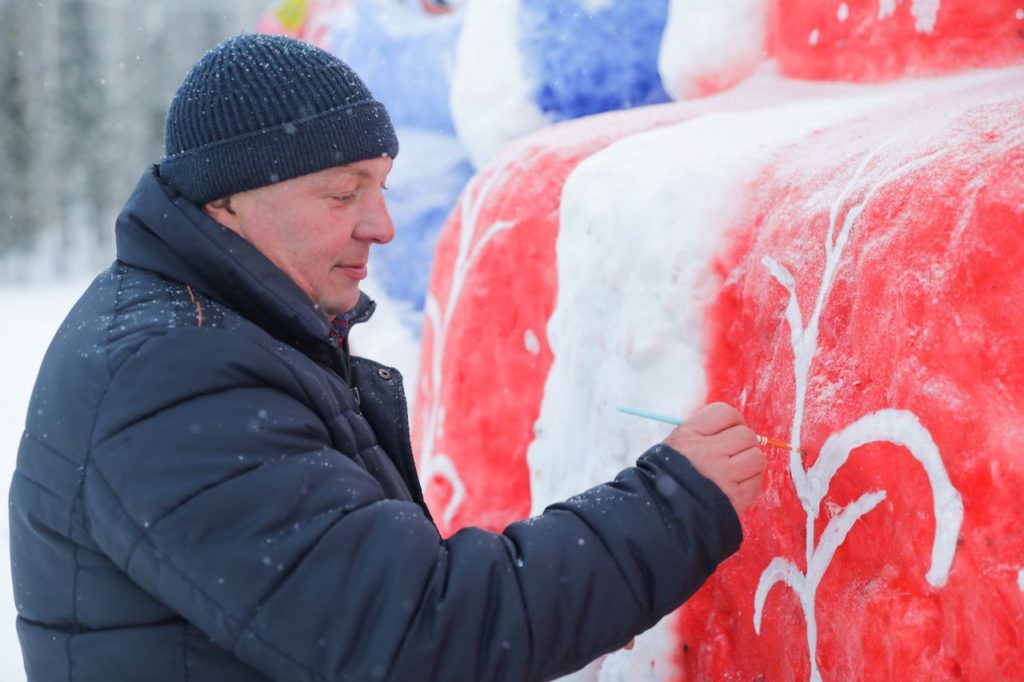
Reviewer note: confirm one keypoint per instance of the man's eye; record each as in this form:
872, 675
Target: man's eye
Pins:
343, 198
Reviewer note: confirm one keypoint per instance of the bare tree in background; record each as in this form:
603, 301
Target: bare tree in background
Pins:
15, 153
85, 86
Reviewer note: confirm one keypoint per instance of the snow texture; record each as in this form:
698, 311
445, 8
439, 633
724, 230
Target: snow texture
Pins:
432, 463
874, 171
638, 231
711, 46
643, 251
925, 13
491, 99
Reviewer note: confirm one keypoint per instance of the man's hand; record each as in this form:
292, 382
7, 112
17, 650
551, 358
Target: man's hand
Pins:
723, 449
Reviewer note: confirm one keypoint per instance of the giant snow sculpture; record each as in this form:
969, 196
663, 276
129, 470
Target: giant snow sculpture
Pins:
843, 262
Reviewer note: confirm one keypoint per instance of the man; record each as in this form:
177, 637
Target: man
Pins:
210, 487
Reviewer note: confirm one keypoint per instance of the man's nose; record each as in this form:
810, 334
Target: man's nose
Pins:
377, 226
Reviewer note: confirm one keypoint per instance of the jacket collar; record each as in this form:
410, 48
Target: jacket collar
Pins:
161, 231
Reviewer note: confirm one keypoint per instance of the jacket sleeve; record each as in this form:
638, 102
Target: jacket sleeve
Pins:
215, 487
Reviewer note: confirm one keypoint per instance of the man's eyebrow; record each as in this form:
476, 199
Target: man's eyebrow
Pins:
327, 184
361, 172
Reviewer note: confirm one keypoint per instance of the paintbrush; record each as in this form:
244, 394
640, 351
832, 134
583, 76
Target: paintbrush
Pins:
763, 441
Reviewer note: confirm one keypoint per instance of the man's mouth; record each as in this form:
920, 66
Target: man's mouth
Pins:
354, 270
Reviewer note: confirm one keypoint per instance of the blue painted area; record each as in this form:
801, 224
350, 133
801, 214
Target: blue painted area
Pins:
589, 56
406, 57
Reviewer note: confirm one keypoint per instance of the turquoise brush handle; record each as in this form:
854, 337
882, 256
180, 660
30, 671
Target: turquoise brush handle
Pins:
650, 415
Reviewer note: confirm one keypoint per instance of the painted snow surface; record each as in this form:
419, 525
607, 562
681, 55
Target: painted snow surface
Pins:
490, 96
492, 293
883, 291
842, 262
585, 57
524, 64
873, 40
496, 254
708, 47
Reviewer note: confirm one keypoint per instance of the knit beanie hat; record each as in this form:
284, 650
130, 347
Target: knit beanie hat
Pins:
259, 109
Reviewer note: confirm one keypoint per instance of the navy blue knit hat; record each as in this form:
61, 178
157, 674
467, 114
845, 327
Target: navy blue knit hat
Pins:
258, 109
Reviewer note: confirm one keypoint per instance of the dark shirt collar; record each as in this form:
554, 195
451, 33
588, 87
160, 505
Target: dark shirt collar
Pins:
362, 311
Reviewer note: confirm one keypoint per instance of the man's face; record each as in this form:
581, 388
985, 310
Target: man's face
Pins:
317, 228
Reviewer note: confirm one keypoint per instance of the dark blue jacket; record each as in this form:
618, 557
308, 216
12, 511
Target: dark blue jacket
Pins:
199, 496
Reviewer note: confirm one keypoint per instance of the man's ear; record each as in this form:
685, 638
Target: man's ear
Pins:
221, 211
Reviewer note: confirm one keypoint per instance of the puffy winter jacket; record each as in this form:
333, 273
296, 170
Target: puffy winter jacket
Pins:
199, 495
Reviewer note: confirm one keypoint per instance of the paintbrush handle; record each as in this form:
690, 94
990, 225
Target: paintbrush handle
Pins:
650, 415
763, 441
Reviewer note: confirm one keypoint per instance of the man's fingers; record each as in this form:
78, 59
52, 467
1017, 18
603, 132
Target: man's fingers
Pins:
719, 445
748, 490
728, 443
750, 462
736, 439
714, 418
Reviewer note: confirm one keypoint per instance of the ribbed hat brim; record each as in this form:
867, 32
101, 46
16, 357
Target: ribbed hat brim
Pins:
336, 137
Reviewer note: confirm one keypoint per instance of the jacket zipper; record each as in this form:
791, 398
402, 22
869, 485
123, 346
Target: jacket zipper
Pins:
344, 362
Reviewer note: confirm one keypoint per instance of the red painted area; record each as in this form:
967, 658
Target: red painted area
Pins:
491, 388
491, 385
866, 43
924, 316
491, 382
436, 7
